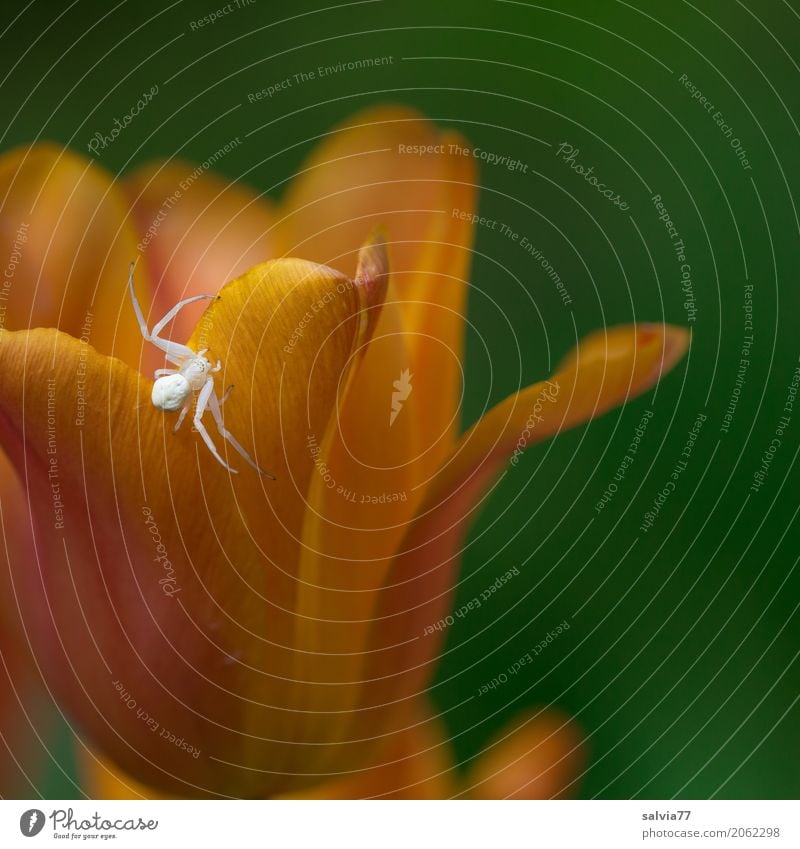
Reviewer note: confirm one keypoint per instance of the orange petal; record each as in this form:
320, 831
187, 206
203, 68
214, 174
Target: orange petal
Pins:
68, 240
413, 763
23, 713
386, 441
539, 756
196, 635
359, 178
22, 754
197, 231
595, 379
100, 778
390, 167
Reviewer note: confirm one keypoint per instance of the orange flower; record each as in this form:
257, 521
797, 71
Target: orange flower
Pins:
235, 636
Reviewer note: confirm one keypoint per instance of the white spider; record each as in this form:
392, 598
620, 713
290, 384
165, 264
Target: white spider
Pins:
174, 387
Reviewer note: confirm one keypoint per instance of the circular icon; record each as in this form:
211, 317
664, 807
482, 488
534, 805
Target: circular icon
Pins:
31, 822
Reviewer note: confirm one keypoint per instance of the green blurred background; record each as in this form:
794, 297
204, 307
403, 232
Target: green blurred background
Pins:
681, 661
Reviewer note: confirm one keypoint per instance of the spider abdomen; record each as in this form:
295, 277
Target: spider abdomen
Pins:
170, 392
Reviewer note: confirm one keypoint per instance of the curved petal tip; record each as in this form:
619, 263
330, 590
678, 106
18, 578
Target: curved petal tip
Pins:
372, 278
674, 340
540, 756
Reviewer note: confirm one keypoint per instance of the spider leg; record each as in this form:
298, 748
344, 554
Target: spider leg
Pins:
136, 308
174, 350
214, 405
160, 372
227, 392
182, 414
159, 326
206, 393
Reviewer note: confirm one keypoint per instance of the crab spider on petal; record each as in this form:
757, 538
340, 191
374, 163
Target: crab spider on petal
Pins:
174, 388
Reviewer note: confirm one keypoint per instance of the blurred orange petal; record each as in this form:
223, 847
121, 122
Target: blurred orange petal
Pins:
538, 756
198, 230
387, 165
65, 228
66, 240
100, 778
413, 763
418, 590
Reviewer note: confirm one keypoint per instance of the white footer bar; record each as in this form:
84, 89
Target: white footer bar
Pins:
404, 825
